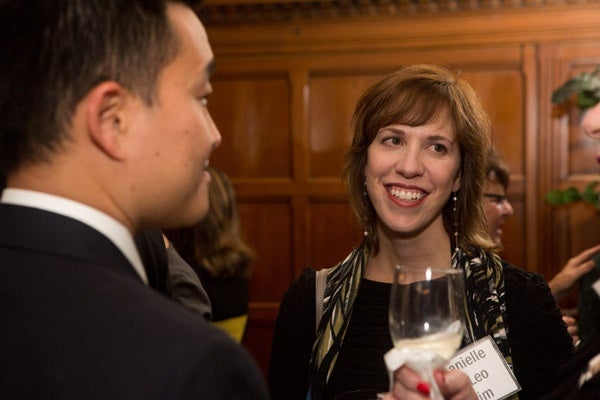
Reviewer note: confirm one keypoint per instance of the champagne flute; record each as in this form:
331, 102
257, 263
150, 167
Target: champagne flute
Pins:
426, 318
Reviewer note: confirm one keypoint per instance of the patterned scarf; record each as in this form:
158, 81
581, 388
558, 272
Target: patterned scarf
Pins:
486, 309
486, 306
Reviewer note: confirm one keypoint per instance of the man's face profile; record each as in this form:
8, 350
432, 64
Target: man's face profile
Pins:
177, 133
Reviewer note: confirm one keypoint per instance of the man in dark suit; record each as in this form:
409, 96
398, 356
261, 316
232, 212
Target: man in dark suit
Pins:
104, 133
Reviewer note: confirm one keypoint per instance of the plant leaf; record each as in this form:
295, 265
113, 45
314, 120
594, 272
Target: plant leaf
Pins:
570, 195
554, 198
586, 86
589, 195
564, 92
587, 99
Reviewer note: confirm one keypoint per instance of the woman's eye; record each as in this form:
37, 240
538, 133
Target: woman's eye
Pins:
439, 148
392, 140
203, 101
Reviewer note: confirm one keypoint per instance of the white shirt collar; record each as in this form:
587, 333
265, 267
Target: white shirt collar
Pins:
103, 223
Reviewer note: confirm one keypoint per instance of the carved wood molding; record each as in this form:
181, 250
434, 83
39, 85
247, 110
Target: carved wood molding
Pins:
227, 12
508, 26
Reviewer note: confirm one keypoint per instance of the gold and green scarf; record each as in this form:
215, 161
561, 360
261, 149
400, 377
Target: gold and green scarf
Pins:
486, 308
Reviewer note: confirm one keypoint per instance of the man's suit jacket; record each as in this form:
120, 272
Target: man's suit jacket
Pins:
76, 322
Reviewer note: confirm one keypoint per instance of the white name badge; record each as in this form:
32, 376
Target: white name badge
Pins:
596, 286
490, 375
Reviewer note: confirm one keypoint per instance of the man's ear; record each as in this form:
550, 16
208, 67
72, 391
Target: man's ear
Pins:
104, 118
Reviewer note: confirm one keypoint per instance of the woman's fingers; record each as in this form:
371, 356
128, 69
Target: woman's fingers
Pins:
409, 385
455, 385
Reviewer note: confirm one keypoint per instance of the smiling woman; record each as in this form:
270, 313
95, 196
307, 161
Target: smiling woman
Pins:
415, 172
410, 175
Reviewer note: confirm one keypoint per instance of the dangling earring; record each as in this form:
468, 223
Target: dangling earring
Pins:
366, 194
455, 214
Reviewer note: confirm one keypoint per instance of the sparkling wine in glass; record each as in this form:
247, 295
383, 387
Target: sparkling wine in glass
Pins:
426, 317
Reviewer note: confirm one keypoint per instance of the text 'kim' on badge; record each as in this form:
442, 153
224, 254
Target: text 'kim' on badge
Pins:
490, 375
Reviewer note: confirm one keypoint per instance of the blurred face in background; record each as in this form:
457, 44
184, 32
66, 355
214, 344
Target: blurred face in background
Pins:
497, 209
591, 125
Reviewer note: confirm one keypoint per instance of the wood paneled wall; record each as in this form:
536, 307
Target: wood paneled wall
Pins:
285, 88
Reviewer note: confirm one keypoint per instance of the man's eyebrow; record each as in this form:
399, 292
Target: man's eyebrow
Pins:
210, 68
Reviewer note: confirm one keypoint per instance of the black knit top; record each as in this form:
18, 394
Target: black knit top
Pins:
537, 336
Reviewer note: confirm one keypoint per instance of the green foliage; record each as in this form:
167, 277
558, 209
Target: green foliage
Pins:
585, 87
589, 195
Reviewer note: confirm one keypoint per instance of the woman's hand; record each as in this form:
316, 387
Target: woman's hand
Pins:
408, 385
455, 385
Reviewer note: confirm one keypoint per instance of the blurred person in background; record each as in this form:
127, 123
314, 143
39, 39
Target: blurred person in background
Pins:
580, 376
216, 250
498, 210
169, 274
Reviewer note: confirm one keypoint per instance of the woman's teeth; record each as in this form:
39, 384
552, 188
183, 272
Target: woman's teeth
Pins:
406, 194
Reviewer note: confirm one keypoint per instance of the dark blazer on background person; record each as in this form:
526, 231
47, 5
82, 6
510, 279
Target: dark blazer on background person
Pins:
170, 275
77, 322
151, 246
185, 286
